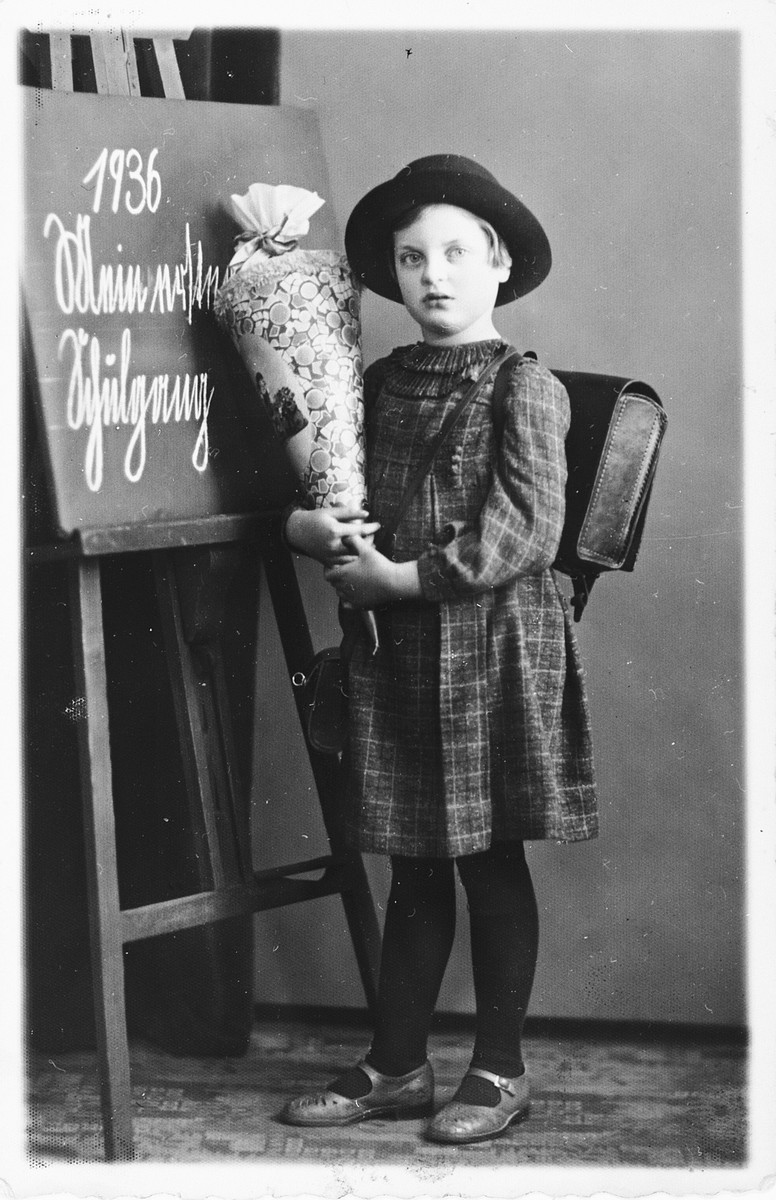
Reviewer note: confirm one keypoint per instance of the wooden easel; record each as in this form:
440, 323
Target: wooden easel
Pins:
191, 619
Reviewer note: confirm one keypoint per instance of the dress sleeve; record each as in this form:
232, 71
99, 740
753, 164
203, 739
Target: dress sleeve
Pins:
518, 529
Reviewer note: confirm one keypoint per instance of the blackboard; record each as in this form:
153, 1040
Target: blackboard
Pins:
145, 412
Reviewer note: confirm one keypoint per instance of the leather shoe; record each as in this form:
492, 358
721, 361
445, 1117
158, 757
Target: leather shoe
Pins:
458, 1122
409, 1095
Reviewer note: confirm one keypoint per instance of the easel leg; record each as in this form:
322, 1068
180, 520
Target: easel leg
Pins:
107, 949
192, 732
191, 614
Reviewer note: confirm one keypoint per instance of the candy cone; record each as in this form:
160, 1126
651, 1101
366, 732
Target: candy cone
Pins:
294, 317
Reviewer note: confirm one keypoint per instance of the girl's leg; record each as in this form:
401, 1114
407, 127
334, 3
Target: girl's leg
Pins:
504, 935
417, 940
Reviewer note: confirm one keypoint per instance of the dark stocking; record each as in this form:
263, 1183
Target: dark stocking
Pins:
504, 935
417, 940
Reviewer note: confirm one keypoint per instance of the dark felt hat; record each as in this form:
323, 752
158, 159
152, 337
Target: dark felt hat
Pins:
444, 179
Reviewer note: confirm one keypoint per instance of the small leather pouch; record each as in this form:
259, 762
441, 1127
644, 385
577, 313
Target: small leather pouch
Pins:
325, 701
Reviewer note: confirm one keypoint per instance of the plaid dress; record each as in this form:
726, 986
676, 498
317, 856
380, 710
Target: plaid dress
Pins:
470, 724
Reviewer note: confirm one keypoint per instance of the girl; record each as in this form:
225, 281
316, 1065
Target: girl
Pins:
469, 727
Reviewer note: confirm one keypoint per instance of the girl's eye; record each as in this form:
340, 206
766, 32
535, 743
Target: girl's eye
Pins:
457, 251
409, 258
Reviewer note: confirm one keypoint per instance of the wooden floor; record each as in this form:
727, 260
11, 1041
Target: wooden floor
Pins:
633, 1099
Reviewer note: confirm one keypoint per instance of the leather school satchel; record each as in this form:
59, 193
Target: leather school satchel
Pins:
325, 709
612, 447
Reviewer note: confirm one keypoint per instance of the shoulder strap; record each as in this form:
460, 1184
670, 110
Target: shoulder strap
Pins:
386, 538
502, 382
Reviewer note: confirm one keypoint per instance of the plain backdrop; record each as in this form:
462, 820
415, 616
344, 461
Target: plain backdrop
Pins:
626, 146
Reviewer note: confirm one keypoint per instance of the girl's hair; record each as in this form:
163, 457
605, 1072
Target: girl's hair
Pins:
499, 255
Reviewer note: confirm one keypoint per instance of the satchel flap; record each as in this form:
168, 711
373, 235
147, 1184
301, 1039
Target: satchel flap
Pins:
623, 479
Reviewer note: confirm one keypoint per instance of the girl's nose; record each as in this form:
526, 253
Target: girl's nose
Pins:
434, 268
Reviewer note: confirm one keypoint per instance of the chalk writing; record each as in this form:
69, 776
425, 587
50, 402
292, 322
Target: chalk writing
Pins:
149, 187
119, 288
104, 392
97, 401
195, 287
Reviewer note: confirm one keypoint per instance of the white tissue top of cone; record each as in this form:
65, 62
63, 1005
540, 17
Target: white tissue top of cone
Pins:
280, 213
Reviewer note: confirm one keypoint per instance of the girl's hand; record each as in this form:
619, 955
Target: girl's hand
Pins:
369, 579
321, 532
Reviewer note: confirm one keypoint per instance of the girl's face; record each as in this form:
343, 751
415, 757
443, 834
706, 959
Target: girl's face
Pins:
445, 274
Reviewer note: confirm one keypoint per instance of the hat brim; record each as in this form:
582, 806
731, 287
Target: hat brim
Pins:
368, 235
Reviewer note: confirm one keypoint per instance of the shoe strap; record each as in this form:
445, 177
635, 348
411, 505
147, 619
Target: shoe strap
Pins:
505, 1085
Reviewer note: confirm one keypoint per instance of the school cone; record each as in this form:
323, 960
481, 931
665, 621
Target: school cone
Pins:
294, 316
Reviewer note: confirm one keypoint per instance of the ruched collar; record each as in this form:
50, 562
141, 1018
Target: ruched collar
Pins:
424, 370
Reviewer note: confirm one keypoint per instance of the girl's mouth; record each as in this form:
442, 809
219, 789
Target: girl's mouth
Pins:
435, 297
